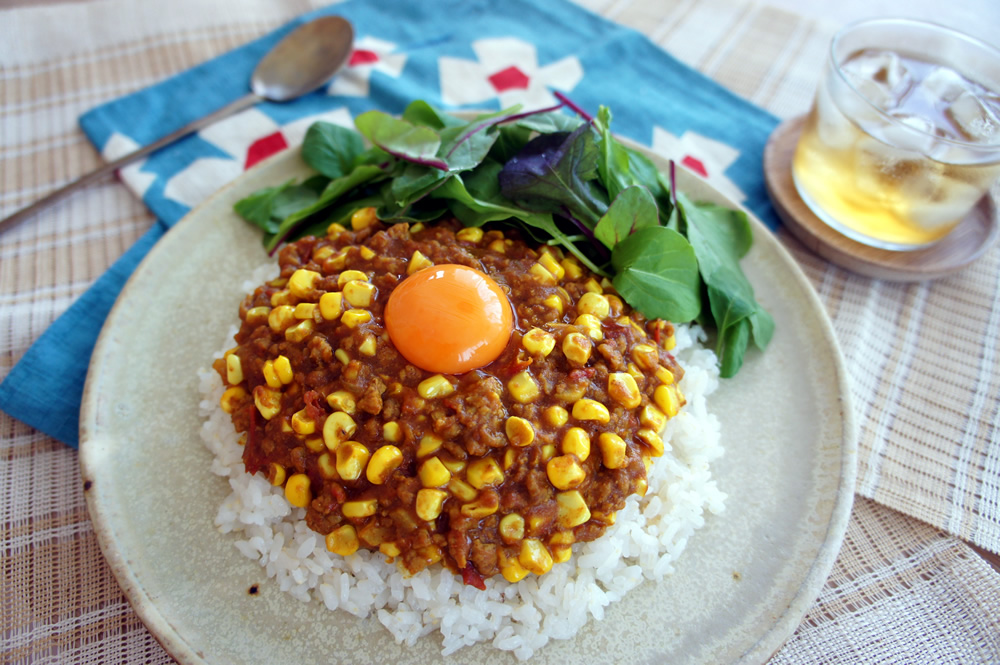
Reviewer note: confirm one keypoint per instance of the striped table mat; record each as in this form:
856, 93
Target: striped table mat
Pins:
922, 357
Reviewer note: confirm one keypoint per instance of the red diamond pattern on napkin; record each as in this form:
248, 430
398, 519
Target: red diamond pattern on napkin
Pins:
264, 147
510, 78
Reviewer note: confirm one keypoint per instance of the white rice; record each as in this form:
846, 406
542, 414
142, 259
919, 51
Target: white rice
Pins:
648, 536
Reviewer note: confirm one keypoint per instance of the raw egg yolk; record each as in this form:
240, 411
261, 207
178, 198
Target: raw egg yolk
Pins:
449, 319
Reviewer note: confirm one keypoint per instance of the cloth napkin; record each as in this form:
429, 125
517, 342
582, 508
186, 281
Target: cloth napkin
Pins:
456, 54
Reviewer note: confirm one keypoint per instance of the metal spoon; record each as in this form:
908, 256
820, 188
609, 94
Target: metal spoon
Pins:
300, 63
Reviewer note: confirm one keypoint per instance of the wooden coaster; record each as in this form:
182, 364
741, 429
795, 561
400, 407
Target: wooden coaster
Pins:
970, 239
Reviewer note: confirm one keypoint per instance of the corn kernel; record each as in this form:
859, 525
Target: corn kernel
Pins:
335, 229
418, 262
565, 472
303, 424
231, 397
297, 490
286, 426
433, 473
548, 450
280, 318
429, 503
509, 457
592, 325
343, 540
353, 318
335, 262
646, 356
519, 431
270, 376
537, 342
535, 557
352, 457
577, 347
669, 342
623, 389
342, 400
283, 297
350, 276
556, 416
428, 445
561, 553
572, 510
434, 387
594, 304
652, 440
367, 253
613, 449
392, 432
498, 246
554, 302
338, 428
665, 376
653, 418
562, 538
417, 227
268, 401
360, 508
305, 310
588, 409
486, 504
470, 234
315, 444
331, 305
384, 461
668, 398
257, 315
523, 387
368, 346
511, 568
276, 474
607, 519
342, 356
283, 369
453, 465
328, 466
576, 441
541, 274
641, 486
302, 282
234, 369
359, 293
362, 218
593, 286
572, 268
551, 264
462, 490
635, 372
511, 528
484, 472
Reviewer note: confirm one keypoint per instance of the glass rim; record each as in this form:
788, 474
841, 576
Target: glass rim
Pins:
993, 145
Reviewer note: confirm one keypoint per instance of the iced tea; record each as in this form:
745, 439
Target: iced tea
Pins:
896, 148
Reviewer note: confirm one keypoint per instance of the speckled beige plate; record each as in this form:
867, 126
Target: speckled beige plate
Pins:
740, 589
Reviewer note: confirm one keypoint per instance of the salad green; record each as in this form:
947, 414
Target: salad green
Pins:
562, 179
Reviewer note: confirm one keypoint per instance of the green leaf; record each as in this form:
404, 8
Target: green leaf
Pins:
420, 112
732, 347
256, 208
330, 195
657, 273
555, 171
403, 139
633, 209
331, 149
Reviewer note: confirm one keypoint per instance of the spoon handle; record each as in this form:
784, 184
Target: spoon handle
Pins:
111, 167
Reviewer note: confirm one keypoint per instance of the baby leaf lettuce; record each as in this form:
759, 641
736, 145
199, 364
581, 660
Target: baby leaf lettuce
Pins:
564, 180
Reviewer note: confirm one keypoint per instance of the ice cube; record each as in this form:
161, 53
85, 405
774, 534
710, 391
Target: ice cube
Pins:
952, 200
974, 118
943, 84
880, 76
914, 132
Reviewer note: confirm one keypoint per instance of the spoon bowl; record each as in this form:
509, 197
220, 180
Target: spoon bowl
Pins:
304, 60
301, 62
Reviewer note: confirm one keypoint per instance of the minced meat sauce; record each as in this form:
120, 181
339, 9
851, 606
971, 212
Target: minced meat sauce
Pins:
497, 470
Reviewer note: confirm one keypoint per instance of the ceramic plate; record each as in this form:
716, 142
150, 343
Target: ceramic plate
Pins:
740, 589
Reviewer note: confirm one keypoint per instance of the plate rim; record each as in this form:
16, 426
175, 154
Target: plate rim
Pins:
763, 649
